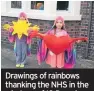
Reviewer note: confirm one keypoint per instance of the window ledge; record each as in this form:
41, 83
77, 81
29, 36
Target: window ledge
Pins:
42, 16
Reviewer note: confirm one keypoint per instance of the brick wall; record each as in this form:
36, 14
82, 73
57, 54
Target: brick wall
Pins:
85, 10
91, 37
86, 50
74, 28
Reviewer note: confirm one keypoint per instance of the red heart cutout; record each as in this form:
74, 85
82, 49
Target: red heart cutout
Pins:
57, 44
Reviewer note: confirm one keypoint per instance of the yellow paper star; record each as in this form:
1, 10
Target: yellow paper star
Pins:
20, 27
6, 26
35, 28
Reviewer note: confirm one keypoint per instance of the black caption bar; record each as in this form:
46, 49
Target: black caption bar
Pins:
47, 80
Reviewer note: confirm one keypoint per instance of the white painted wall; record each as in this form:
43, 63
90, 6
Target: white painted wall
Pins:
49, 12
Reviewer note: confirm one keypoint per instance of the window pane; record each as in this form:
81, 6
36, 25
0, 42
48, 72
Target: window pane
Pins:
62, 5
16, 4
38, 5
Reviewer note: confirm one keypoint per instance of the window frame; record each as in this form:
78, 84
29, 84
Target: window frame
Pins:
63, 10
16, 1
49, 13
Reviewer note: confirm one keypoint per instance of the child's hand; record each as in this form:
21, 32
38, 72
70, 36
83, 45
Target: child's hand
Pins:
33, 33
29, 31
11, 29
79, 41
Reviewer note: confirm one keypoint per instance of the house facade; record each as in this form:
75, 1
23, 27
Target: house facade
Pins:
78, 15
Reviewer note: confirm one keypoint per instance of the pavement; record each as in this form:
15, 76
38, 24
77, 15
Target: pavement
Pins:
8, 60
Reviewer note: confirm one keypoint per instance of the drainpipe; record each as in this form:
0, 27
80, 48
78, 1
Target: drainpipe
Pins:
89, 27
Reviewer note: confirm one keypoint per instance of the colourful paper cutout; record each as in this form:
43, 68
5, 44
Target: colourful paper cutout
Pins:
20, 27
6, 27
58, 44
35, 28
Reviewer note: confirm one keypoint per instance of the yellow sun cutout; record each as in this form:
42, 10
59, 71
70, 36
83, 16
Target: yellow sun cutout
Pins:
35, 28
20, 27
6, 26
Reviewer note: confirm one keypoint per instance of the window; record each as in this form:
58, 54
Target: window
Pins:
16, 4
38, 5
70, 10
62, 5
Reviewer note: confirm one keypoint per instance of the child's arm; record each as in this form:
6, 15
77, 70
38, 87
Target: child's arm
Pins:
79, 41
11, 37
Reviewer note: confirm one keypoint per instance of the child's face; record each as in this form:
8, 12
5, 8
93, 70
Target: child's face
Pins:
22, 18
59, 24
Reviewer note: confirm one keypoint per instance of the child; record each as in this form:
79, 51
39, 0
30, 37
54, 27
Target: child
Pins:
22, 46
62, 60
